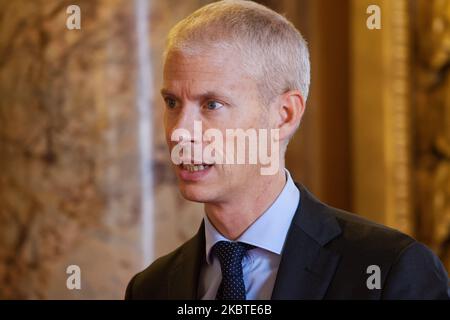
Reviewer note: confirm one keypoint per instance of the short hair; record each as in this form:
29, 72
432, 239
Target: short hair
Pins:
274, 52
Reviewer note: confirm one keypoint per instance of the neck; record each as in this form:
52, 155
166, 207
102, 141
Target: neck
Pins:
233, 217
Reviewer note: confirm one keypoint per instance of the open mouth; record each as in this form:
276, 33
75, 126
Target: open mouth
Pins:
195, 167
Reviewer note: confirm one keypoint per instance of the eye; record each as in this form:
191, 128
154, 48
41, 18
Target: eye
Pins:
171, 103
213, 105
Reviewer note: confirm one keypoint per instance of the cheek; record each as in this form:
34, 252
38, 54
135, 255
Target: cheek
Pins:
165, 122
170, 144
255, 117
168, 127
167, 133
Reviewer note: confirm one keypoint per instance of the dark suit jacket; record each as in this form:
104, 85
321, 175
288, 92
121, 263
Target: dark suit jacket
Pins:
325, 256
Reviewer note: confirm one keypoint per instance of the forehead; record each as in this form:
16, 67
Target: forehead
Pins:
205, 70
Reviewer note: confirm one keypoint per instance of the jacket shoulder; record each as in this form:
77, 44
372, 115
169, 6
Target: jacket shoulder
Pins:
359, 232
152, 282
409, 270
352, 235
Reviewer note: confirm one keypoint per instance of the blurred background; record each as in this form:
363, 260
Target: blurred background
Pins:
85, 177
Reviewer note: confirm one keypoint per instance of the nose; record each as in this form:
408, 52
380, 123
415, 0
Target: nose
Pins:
186, 133
187, 125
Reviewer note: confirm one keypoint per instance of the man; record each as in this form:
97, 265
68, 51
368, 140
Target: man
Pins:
239, 65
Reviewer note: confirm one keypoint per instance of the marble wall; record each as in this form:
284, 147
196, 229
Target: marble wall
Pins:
70, 181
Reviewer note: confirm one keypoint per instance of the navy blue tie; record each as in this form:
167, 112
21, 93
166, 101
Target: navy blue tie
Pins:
230, 256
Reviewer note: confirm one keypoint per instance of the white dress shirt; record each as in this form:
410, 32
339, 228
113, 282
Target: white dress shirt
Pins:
267, 234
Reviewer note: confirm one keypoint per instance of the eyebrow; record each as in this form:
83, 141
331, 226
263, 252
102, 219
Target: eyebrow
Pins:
207, 94
166, 92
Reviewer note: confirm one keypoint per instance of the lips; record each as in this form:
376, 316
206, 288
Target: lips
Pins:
194, 172
195, 167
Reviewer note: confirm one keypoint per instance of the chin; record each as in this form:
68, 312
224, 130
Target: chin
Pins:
195, 192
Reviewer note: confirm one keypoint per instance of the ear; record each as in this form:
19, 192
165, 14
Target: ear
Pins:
291, 107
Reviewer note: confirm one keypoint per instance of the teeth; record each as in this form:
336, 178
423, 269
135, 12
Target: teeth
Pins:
194, 168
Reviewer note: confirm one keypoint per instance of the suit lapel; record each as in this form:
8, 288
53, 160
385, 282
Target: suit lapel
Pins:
306, 266
184, 277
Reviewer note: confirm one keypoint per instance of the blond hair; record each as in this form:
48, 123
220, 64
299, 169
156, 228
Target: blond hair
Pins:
273, 51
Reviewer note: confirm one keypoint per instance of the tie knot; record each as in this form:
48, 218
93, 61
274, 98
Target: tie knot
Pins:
230, 256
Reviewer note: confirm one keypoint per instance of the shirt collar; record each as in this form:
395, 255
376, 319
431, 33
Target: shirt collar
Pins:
269, 231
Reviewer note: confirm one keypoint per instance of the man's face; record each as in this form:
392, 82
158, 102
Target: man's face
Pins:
213, 88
